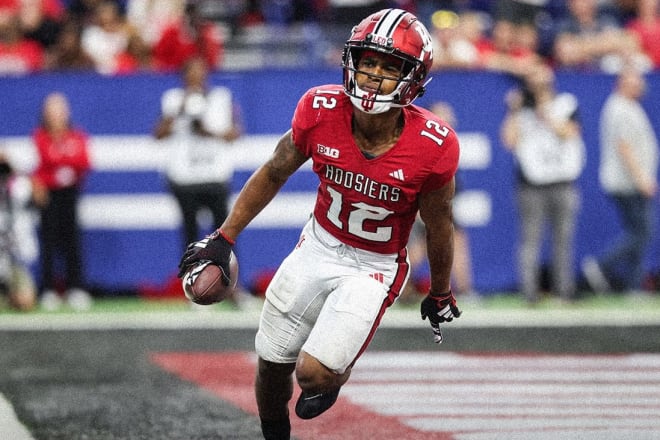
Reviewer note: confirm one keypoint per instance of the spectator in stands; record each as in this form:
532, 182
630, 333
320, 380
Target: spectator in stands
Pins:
645, 27
252, 15
542, 130
518, 11
83, 10
527, 38
625, 10
63, 162
67, 53
628, 175
37, 25
16, 283
53, 9
589, 40
106, 38
510, 53
18, 55
191, 36
457, 40
152, 17
135, 58
200, 122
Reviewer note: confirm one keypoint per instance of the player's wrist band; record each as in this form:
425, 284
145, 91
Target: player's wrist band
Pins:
220, 232
440, 295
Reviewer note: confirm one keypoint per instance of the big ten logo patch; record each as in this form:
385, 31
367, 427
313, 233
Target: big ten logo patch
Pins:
328, 151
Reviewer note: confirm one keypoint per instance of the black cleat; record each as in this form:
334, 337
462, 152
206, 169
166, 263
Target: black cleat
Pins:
310, 405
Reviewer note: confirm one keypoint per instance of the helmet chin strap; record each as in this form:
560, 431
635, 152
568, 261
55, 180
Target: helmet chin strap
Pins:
422, 89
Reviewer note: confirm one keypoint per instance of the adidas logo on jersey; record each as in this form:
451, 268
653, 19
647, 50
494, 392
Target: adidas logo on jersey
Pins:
398, 174
378, 276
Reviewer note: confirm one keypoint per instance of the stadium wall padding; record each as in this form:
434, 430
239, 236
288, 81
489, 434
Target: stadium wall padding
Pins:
131, 235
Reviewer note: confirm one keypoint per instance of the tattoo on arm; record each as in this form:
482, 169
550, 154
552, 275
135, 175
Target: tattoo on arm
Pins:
285, 160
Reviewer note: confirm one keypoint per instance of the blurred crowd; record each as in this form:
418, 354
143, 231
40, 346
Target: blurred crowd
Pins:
583, 35
529, 39
116, 37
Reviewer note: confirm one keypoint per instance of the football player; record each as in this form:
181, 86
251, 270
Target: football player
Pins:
380, 160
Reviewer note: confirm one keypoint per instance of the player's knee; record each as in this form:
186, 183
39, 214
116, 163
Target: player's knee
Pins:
271, 369
312, 375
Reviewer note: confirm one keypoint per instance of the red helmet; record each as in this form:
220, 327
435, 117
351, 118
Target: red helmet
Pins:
397, 33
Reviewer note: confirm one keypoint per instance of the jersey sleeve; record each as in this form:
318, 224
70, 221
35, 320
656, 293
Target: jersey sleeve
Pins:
445, 166
307, 115
302, 122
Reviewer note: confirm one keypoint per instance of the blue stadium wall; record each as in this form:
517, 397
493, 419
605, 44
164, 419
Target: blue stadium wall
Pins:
131, 225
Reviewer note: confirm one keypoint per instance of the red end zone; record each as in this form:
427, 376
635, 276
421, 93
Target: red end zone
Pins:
444, 395
230, 375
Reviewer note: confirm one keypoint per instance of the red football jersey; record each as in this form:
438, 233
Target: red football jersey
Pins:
371, 204
62, 162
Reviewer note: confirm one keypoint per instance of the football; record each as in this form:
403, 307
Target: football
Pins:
202, 283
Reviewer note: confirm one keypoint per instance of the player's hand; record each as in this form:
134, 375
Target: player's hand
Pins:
215, 247
439, 308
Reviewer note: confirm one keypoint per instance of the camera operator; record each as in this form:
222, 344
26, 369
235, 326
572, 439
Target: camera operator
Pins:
16, 281
542, 131
199, 123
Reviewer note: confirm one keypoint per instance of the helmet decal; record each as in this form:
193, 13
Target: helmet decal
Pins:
367, 102
382, 34
427, 41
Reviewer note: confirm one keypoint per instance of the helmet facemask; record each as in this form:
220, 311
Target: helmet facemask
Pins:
398, 34
370, 102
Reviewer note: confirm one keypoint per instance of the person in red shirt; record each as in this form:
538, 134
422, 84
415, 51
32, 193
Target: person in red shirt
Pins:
646, 29
63, 162
52, 8
380, 160
18, 55
190, 37
511, 49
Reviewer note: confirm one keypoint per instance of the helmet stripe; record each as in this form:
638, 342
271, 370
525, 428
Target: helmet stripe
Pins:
388, 22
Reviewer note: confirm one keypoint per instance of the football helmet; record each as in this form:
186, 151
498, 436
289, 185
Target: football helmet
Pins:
397, 33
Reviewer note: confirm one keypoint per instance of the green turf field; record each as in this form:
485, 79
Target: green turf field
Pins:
501, 310
494, 302
504, 301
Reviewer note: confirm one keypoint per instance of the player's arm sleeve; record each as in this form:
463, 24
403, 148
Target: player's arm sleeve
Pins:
445, 166
304, 119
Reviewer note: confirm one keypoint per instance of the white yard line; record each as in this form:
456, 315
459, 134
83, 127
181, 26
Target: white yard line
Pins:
10, 426
529, 401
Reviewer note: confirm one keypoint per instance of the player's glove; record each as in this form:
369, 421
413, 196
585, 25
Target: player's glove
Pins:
439, 308
215, 247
